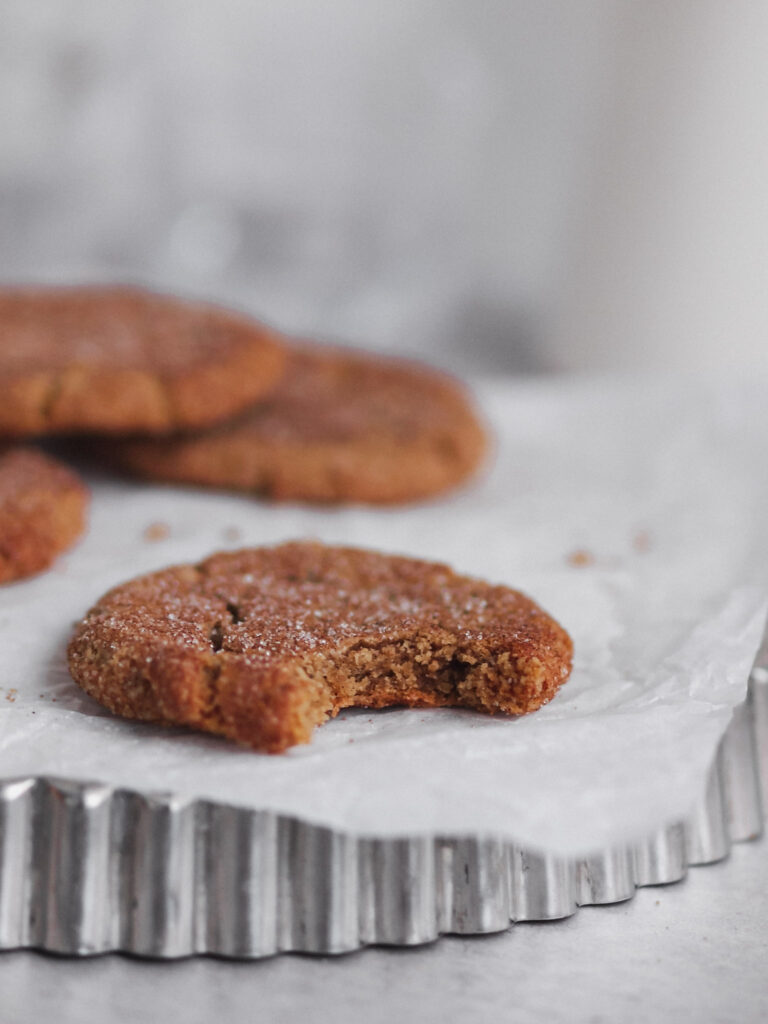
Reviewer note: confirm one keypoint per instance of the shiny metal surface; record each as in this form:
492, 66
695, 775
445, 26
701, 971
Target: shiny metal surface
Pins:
85, 869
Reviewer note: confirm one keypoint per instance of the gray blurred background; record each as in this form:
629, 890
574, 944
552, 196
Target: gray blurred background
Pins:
522, 185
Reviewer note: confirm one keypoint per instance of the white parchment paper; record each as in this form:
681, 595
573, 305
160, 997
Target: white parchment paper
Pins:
633, 511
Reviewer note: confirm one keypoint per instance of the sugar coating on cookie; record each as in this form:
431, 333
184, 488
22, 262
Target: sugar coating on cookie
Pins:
43, 508
340, 426
261, 645
124, 359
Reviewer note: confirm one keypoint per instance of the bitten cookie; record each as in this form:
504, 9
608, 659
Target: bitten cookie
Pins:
341, 426
262, 645
43, 507
122, 359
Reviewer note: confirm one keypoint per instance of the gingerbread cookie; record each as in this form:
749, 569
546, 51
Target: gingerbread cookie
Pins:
43, 506
262, 645
122, 359
341, 426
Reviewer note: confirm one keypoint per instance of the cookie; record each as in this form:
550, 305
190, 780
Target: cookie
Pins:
43, 507
341, 426
122, 359
261, 645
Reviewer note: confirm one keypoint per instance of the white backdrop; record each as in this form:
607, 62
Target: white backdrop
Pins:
525, 185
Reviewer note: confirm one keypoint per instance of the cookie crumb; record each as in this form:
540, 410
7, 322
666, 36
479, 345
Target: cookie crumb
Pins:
641, 542
156, 532
580, 558
11, 695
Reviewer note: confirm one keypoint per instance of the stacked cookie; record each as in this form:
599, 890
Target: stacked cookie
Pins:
189, 393
120, 360
340, 426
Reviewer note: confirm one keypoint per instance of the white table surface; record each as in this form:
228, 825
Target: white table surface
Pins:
696, 951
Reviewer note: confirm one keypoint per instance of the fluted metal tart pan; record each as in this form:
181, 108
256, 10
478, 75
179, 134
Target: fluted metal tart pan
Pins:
86, 868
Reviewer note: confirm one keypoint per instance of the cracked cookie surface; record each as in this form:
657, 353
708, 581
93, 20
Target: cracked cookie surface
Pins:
262, 645
340, 426
43, 506
122, 359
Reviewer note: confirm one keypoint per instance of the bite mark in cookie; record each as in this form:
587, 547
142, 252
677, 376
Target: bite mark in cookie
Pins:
262, 645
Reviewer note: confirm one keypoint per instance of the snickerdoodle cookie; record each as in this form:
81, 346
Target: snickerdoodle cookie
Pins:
261, 645
121, 359
340, 426
43, 507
